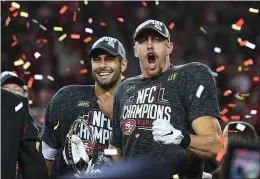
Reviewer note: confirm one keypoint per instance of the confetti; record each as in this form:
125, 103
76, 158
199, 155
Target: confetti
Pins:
50, 78
176, 176
240, 22
7, 21
16, 5
144, 4
86, 2
250, 45
227, 92
37, 55
248, 116
27, 72
253, 112
63, 9
55, 127
90, 20
217, 50
24, 14
103, 24
222, 140
230, 105
120, 19
239, 69
238, 96
14, 37
253, 10
240, 127
26, 65
12, 8
245, 94
18, 107
30, 82
38, 41
156, 2
23, 56
88, 30
239, 40
15, 14
248, 62
83, 71
220, 155
81, 62
199, 91
256, 79
14, 43
27, 24
203, 30
58, 29
42, 27
37, 145
235, 27
110, 151
38, 77
35, 21
45, 41
221, 68
88, 39
74, 17
171, 25
235, 117
61, 38
68, 69
30, 102
224, 119
224, 111
75, 36
18, 62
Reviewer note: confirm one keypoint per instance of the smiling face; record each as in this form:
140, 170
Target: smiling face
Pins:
152, 49
14, 88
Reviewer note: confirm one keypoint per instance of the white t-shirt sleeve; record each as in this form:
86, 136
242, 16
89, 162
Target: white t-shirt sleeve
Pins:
48, 152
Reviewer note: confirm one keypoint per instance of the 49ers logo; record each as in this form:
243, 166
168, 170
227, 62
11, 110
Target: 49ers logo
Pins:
128, 126
88, 146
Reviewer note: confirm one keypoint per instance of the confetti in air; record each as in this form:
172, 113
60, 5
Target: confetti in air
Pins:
88, 39
156, 2
253, 112
75, 36
240, 127
37, 55
56, 127
63, 9
235, 117
18, 107
217, 50
50, 78
253, 10
24, 14
86, 2
83, 71
103, 24
220, 155
30, 82
235, 27
220, 69
224, 119
26, 65
199, 91
250, 45
224, 111
144, 4
18, 62
61, 38
240, 22
16, 5
120, 19
203, 30
58, 29
171, 25
90, 20
88, 30
248, 62
38, 77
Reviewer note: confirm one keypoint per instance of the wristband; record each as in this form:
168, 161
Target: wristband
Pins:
185, 142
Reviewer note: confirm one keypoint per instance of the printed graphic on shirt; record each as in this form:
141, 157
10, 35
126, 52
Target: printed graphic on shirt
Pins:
145, 106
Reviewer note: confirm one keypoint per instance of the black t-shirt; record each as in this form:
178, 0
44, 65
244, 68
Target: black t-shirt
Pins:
68, 104
179, 95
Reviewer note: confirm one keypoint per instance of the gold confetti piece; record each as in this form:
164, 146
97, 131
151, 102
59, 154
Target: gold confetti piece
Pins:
26, 65
8, 19
230, 105
27, 72
239, 40
30, 102
243, 43
245, 94
61, 38
37, 146
57, 28
86, 2
55, 127
18, 62
203, 30
24, 14
253, 10
50, 78
239, 68
16, 5
156, 2
176, 176
235, 27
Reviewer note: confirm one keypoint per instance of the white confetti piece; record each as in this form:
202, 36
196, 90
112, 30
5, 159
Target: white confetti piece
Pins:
88, 30
199, 91
37, 55
253, 112
156, 2
217, 50
50, 78
248, 116
35, 21
235, 27
250, 45
240, 127
110, 152
86, 2
42, 27
38, 77
18, 107
30, 102
16, 5
253, 10
203, 30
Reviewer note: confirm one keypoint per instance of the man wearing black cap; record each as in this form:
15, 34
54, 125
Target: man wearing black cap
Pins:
166, 113
92, 103
11, 82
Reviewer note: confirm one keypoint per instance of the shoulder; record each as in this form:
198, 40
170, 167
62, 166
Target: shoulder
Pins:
12, 96
72, 89
127, 82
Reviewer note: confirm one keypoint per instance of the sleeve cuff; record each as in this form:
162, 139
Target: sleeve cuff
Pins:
48, 152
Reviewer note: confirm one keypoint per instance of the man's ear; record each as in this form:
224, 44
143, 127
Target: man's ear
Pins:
123, 65
169, 48
135, 51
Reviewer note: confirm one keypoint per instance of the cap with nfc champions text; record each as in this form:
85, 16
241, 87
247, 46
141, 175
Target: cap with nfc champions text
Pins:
10, 77
110, 45
155, 25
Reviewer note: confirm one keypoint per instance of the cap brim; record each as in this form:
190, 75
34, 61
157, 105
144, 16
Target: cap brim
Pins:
13, 79
152, 28
93, 52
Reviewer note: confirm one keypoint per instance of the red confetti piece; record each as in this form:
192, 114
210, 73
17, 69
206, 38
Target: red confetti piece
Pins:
68, 69
14, 43
224, 111
38, 41
25, 127
256, 79
27, 25
222, 140
221, 68
103, 24
243, 43
15, 14
120, 19
90, 20
224, 119
23, 56
220, 155
88, 39
45, 41
74, 16
227, 92
42, 120
144, 4
171, 25
30, 82
240, 22
230, 105
235, 117
232, 131
63, 9
14, 37
12, 8
248, 62
75, 36
83, 71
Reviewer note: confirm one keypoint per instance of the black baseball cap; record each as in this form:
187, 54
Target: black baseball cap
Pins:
154, 25
110, 45
8, 77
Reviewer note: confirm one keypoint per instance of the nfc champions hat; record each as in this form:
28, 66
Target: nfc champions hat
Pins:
110, 45
10, 77
155, 25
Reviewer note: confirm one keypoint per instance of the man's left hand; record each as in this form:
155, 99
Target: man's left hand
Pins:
164, 132
105, 103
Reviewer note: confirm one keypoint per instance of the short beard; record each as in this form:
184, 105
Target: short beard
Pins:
107, 86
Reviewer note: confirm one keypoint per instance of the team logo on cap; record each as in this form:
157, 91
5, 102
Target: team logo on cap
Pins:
111, 44
158, 27
128, 126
